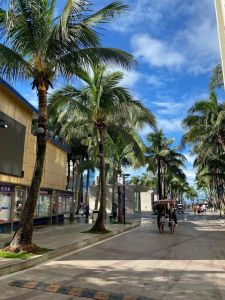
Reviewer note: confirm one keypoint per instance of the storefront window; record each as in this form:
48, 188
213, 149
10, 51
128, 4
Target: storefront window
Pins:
5, 205
18, 207
64, 203
43, 205
54, 206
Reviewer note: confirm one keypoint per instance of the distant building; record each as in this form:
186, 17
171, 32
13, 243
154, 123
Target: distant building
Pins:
137, 199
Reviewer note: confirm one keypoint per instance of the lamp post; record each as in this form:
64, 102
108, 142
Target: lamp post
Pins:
124, 206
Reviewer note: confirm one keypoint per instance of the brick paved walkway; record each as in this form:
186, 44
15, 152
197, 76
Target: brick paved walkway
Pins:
74, 291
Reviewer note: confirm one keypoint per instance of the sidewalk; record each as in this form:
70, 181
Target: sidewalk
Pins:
61, 239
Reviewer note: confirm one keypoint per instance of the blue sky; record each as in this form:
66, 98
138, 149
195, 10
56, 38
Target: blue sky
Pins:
176, 45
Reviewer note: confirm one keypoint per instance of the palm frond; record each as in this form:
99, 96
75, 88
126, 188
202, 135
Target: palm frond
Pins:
12, 65
106, 14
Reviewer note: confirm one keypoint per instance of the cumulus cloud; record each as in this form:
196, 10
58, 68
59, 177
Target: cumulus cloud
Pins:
156, 52
170, 125
190, 158
169, 107
192, 43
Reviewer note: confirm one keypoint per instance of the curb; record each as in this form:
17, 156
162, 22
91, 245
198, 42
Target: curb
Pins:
22, 265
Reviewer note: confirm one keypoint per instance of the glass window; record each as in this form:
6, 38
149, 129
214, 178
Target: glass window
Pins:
5, 205
18, 206
54, 206
43, 206
64, 204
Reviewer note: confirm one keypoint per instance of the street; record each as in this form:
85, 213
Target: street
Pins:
138, 264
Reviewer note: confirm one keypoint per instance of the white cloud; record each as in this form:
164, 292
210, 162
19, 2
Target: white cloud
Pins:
190, 158
144, 131
176, 107
191, 44
170, 125
154, 80
131, 78
156, 52
139, 10
190, 173
169, 107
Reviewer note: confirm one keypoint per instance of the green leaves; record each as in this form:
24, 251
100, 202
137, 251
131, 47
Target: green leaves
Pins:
106, 14
59, 45
12, 65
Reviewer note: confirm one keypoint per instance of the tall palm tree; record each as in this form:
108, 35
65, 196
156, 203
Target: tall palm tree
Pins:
158, 146
163, 159
39, 46
101, 104
124, 148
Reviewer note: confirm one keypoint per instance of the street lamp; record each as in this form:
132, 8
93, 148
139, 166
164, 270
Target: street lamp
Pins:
124, 206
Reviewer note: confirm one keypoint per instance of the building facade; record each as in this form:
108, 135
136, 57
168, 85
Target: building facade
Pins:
17, 161
137, 199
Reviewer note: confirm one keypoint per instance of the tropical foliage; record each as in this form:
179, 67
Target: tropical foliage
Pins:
167, 163
105, 112
38, 45
205, 133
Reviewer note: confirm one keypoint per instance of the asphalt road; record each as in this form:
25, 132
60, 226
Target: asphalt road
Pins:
190, 264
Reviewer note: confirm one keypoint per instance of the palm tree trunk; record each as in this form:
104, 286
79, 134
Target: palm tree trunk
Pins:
120, 211
87, 187
159, 179
80, 195
114, 189
120, 192
99, 225
68, 170
75, 197
98, 194
74, 190
22, 239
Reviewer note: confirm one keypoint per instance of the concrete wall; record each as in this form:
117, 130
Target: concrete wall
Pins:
55, 163
146, 201
145, 198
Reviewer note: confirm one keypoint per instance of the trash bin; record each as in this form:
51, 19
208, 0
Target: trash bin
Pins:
94, 215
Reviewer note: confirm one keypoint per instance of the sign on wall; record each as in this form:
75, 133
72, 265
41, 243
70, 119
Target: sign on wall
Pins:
220, 16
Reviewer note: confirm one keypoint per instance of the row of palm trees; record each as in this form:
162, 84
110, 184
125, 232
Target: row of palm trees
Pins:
98, 117
40, 46
165, 168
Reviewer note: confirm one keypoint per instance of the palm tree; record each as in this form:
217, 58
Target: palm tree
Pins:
39, 46
123, 149
205, 123
101, 104
163, 160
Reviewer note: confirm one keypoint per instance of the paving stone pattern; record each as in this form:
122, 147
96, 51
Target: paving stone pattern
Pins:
73, 291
